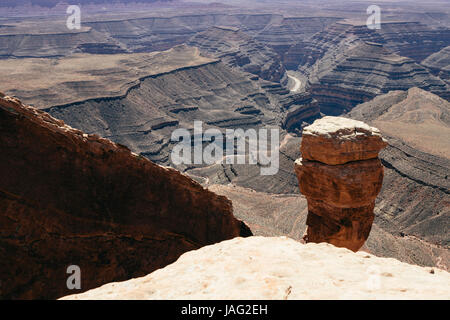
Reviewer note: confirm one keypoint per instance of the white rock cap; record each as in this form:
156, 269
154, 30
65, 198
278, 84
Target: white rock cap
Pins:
344, 128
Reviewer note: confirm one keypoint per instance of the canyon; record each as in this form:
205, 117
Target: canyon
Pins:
87, 123
347, 64
340, 175
141, 111
416, 162
236, 48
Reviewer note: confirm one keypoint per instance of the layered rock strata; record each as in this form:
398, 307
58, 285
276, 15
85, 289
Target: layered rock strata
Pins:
271, 215
408, 39
415, 197
340, 175
355, 72
439, 64
300, 107
69, 198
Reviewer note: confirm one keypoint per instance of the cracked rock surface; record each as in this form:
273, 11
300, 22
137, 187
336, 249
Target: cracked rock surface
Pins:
280, 268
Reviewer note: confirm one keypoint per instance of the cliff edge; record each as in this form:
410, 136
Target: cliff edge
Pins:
280, 268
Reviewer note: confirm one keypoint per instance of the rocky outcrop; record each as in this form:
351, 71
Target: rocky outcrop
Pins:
335, 140
340, 175
69, 198
280, 269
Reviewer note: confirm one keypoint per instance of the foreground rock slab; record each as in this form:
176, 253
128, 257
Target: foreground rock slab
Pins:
69, 198
280, 268
341, 175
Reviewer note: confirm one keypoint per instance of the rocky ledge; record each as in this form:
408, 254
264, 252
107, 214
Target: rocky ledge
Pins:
280, 268
341, 175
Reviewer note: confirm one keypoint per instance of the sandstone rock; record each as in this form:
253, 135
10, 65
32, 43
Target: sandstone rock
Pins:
340, 175
68, 198
344, 186
280, 268
336, 140
415, 196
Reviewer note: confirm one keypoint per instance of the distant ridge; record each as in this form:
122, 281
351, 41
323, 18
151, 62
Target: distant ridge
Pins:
53, 3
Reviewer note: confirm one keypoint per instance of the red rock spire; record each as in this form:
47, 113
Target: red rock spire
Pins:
340, 175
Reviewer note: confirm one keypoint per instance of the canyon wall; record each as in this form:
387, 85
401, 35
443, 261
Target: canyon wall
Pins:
340, 175
69, 198
237, 49
415, 197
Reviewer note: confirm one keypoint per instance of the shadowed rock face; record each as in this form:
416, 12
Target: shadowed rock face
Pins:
300, 108
341, 179
349, 64
280, 268
68, 198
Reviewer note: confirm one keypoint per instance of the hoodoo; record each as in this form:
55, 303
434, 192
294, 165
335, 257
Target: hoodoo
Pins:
341, 175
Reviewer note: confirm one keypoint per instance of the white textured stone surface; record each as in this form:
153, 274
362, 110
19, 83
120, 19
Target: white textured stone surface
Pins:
343, 128
280, 268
